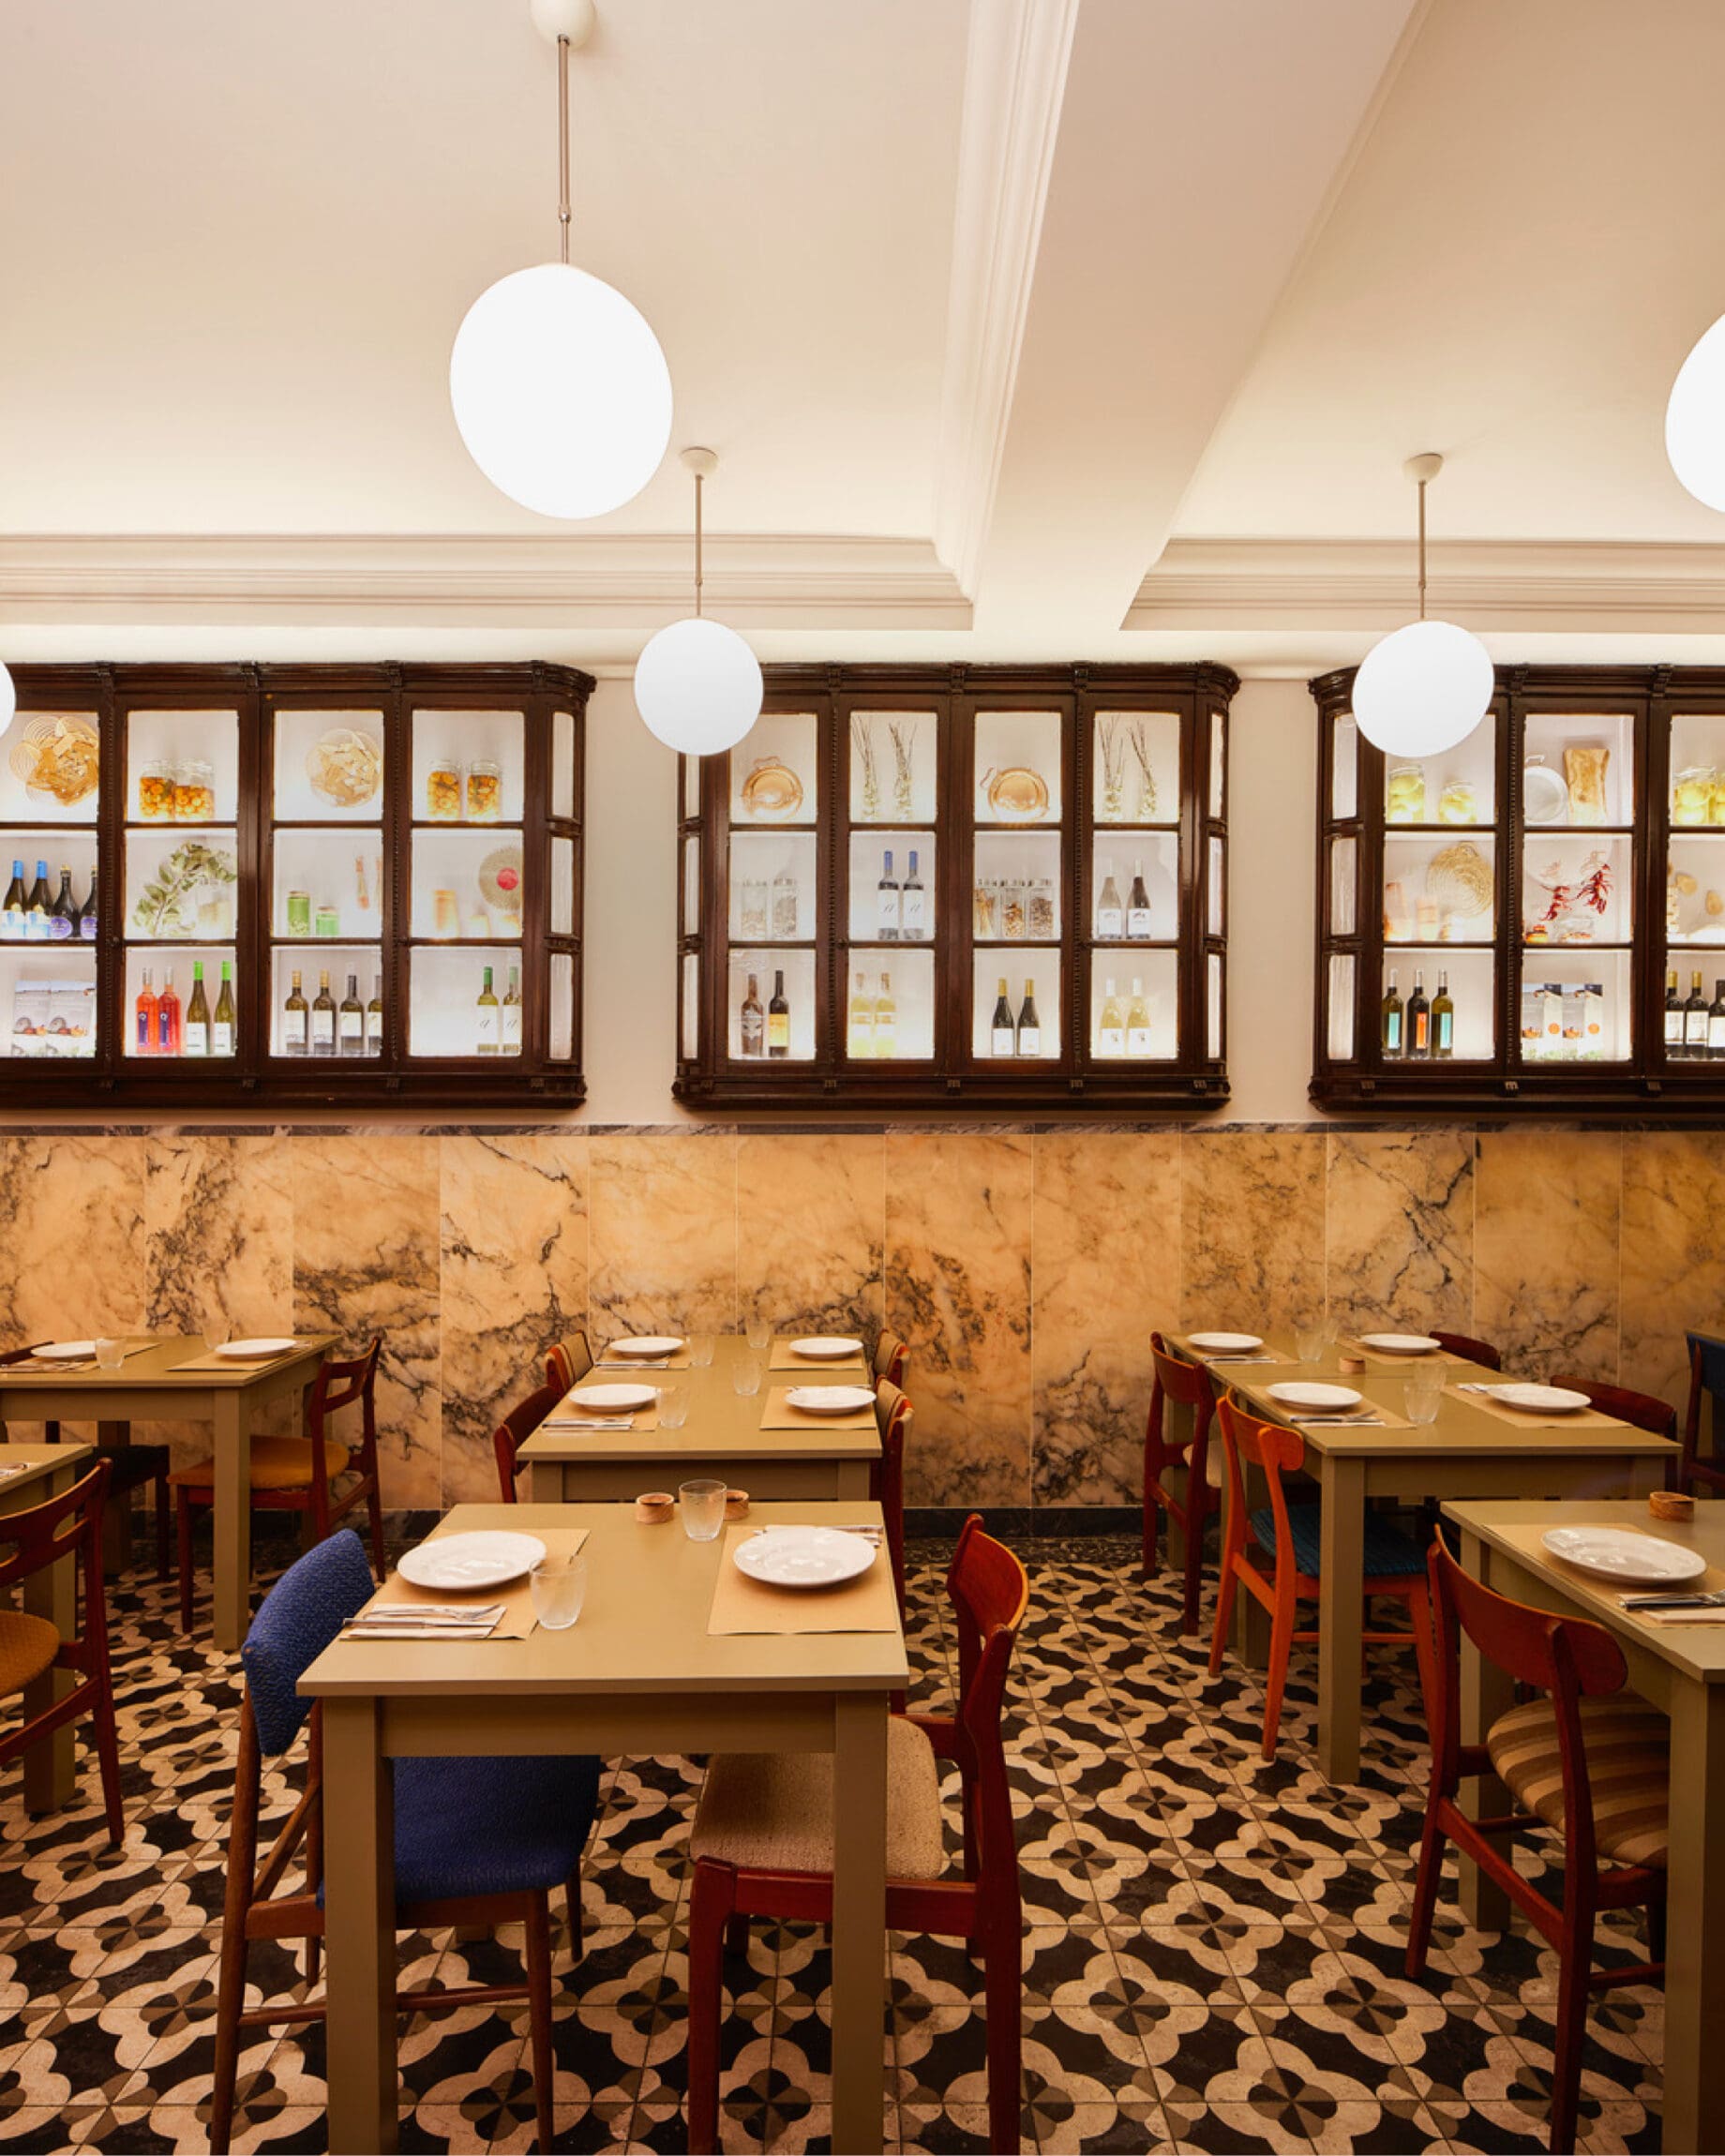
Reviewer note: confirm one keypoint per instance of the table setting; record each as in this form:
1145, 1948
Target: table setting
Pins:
527, 1582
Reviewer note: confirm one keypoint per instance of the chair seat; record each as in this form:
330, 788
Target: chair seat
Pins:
277, 1463
1389, 1555
772, 1811
1628, 1772
28, 1647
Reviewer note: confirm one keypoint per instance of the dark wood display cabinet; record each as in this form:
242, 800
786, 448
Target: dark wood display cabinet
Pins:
1552, 871
911, 852
401, 829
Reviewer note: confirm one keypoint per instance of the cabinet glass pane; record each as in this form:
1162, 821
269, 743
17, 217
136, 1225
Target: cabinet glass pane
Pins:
1219, 762
1343, 883
1575, 1006
1575, 889
562, 764
1341, 1041
1017, 778
180, 884
894, 760
559, 977
1016, 896
467, 767
1578, 770
329, 767
772, 887
174, 967
1469, 978
444, 1016
1698, 769
1344, 770
1134, 1008
1041, 968
40, 855
466, 883
1155, 862
1213, 1006
1216, 924
691, 1005
563, 886
337, 960
1695, 890
1439, 889
763, 967
692, 784
48, 999
1136, 766
904, 911
328, 883
890, 1006
1457, 785
775, 774
50, 772
182, 767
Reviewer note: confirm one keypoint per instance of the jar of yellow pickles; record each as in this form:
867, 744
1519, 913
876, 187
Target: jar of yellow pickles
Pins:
443, 790
1458, 803
484, 791
1405, 794
155, 792
1694, 791
194, 792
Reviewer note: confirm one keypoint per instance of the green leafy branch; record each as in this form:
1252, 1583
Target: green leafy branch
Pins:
158, 911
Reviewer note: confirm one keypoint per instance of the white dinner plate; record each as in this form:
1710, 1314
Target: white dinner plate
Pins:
245, 1350
1400, 1343
1546, 1398
1222, 1343
804, 1556
830, 1398
826, 1347
1609, 1553
1294, 1392
609, 1399
65, 1351
647, 1344
487, 1559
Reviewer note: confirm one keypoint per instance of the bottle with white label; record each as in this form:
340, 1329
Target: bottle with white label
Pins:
1138, 905
324, 1019
485, 1017
512, 1013
1137, 1022
295, 1022
1002, 1033
887, 909
1110, 913
226, 1018
374, 1017
350, 1021
859, 1034
1112, 1026
886, 1019
197, 1014
913, 906
1029, 1024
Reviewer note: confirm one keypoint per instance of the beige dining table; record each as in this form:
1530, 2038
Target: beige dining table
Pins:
722, 1437
1680, 1670
1465, 1453
639, 1674
151, 1388
32, 1473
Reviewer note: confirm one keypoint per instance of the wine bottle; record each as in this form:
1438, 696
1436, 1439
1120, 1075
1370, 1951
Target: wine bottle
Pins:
226, 1018
859, 1030
322, 1019
754, 1021
886, 1019
1443, 1020
197, 1014
350, 1021
1029, 1024
40, 904
169, 1019
512, 1013
778, 1017
86, 916
887, 909
913, 906
1110, 915
1390, 1024
12, 912
1419, 1018
63, 913
1674, 1016
1137, 1022
147, 1008
1695, 1020
295, 1022
374, 1017
1138, 905
1002, 1033
1112, 1025
485, 1017
1715, 1023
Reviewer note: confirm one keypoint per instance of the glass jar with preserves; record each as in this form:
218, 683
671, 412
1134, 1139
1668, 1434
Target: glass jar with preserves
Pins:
443, 790
484, 791
1405, 794
156, 791
1692, 795
1041, 911
1458, 802
194, 792
753, 910
1013, 911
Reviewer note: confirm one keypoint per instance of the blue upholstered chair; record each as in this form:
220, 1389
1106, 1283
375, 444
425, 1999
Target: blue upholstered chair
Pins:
1706, 1375
477, 1841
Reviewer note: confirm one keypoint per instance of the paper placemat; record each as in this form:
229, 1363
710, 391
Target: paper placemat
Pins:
1383, 1361
1382, 1417
779, 1413
1712, 1581
517, 1618
231, 1362
866, 1604
643, 1418
1530, 1418
136, 1343
782, 1359
612, 1361
1210, 1358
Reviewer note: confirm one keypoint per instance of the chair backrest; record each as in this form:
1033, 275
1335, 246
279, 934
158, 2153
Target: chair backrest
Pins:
1466, 1350
1173, 1378
69, 1525
892, 1415
568, 1362
1639, 1408
1267, 1446
339, 1385
1706, 1376
515, 1430
891, 1356
989, 1591
300, 1615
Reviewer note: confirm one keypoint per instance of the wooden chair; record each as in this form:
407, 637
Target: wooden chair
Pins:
65, 1527
131, 1467
1189, 1384
892, 1357
1289, 1536
285, 1476
1706, 1376
893, 1413
1638, 1408
478, 1842
568, 1362
1580, 1760
763, 1840
1465, 1349
515, 1430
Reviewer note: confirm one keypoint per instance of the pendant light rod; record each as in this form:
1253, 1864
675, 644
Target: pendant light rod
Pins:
702, 463
569, 25
1423, 469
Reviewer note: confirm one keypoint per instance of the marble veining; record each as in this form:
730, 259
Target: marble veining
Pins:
1253, 1229
1399, 1210
811, 1216
1547, 1213
662, 1234
1672, 1255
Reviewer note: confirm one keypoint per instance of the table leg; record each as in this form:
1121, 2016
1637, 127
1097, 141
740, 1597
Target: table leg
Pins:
545, 1483
1694, 2106
1341, 1566
359, 1864
117, 1514
1486, 1692
230, 1527
859, 1920
51, 1766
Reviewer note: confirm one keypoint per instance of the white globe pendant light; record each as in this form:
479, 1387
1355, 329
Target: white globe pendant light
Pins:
1423, 688
1695, 419
697, 683
558, 386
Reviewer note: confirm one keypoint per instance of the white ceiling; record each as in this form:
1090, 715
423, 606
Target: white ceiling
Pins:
1052, 327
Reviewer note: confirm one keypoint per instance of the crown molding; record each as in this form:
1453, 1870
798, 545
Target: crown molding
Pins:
1603, 587
632, 580
1014, 87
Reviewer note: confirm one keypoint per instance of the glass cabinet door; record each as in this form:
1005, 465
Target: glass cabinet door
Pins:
50, 796
775, 805
468, 884
1019, 849
894, 925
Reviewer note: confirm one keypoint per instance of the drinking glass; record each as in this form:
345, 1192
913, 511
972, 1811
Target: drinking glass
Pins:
673, 1406
745, 1376
1425, 1392
109, 1354
559, 1587
215, 1332
758, 1333
1312, 1339
700, 1351
703, 1510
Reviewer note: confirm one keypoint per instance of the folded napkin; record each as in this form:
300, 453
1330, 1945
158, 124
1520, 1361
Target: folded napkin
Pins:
424, 1621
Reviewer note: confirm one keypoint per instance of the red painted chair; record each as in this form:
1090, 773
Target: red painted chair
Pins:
762, 1841
1639, 1409
893, 1413
1189, 1384
1706, 1380
1465, 1349
1580, 1761
568, 1362
892, 1357
1290, 1537
515, 1430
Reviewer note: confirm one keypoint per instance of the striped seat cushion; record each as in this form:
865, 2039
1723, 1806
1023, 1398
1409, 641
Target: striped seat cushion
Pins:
1389, 1553
1628, 1772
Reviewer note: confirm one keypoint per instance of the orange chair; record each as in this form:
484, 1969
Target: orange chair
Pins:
1582, 1760
1190, 1384
1638, 1408
515, 1430
763, 1840
1706, 1378
1289, 1536
284, 1477
1465, 1349
892, 1357
892, 1412
65, 1527
568, 1362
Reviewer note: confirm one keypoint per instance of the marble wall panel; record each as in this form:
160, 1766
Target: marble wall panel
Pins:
1252, 1228
1548, 1208
958, 1215
1400, 1230
661, 1233
512, 1259
1105, 1235
1674, 1255
811, 1215
364, 1261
